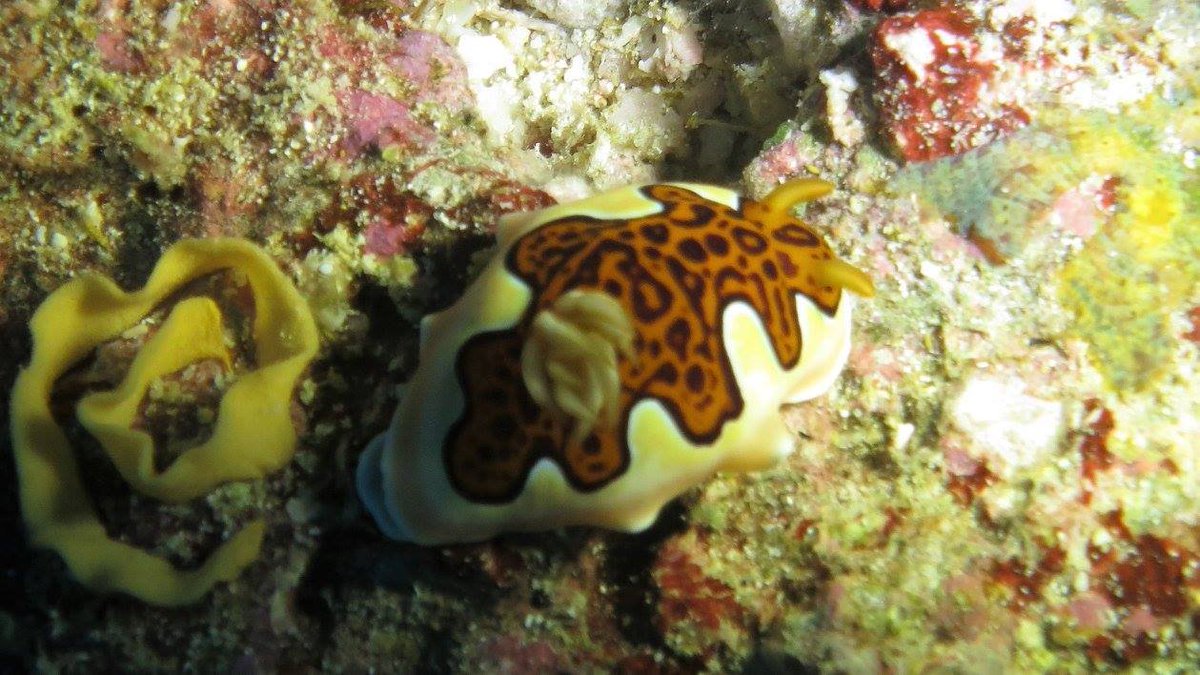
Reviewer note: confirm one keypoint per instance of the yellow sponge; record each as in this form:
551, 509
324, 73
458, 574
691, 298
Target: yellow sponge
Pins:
253, 434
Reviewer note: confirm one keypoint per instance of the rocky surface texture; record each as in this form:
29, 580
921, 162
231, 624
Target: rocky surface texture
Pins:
1007, 477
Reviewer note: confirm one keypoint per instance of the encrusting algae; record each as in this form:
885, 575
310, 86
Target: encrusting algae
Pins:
1003, 479
253, 433
1138, 264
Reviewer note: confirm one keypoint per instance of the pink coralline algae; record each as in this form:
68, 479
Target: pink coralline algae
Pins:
425, 60
386, 238
214, 27
392, 218
966, 476
516, 654
692, 603
1081, 210
937, 87
116, 54
112, 40
375, 121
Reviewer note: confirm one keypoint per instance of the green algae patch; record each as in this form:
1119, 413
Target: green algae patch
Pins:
253, 433
1118, 312
994, 193
1143, 264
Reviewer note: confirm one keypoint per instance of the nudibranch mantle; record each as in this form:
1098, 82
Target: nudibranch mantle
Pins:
613, 353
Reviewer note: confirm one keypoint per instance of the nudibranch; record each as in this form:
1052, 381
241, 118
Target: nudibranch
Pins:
615, 352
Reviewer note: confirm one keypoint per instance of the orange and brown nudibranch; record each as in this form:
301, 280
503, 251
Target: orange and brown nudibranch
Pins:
615, 352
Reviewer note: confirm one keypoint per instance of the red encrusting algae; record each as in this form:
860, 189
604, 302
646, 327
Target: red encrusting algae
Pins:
937, 87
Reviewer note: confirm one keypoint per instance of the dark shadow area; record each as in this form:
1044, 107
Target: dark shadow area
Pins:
629, 566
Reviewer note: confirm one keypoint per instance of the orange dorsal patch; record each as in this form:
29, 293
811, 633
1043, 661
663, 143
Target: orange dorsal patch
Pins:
674, 272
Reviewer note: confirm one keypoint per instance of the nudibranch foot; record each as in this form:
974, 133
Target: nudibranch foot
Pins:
615, 352
369, 480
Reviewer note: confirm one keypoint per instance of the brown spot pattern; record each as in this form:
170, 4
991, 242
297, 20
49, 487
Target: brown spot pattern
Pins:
675, 272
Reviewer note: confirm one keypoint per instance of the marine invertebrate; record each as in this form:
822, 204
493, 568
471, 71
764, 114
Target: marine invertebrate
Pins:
253, 433
615, 352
